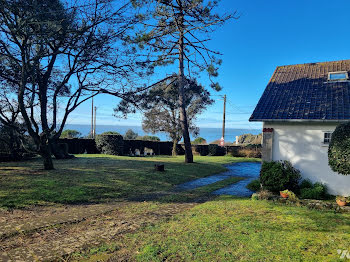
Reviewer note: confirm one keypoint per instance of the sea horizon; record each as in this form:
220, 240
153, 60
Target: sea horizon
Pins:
210, 134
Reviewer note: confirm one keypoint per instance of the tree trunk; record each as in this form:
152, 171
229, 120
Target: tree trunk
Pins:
174, 153
14, 146
183, 115
45, 153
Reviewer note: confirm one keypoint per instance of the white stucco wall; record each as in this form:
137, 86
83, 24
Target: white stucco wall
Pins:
302, 144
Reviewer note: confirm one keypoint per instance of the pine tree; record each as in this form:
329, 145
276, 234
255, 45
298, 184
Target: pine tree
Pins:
176, 31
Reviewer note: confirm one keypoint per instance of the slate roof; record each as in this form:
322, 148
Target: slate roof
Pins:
303, 92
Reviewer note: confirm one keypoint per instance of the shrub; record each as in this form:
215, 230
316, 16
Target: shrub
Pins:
306, 183
315, 191
14, 143
150, 138
110, 144
339, 149
213, 148
70, 133
203, 150
291, 195
199, 141
255, 196
180, 150
264, 195
254, 185
216, 150
249, 152
130, 135
343, 199
279, 175
253, 146
64, 148
110, 133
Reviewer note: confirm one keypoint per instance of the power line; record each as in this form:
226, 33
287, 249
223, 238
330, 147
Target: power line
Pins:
238, 109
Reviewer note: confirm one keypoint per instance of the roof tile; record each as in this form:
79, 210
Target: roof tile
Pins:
303, 92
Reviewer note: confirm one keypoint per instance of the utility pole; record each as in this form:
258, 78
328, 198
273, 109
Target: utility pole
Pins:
92, 118
222, 142
95, 122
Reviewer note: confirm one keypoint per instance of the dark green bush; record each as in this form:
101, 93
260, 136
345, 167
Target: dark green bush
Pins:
315, 191
279, 175
64, 148
199, 141
110, 144
213, 148
216, 150
180, 150
110, 133
306, 183
130, 135
150, 138
14, 143
70, 133
254, 185
339, 149
203, 150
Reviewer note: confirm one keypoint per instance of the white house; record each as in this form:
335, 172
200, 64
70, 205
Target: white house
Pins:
300, 108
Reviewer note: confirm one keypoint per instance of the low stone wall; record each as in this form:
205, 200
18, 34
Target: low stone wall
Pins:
311, 204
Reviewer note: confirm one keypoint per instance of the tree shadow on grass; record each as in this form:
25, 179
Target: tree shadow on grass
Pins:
98, 180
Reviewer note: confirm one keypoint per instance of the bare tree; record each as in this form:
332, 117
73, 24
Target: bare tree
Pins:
12, 132
177, 31
56, 55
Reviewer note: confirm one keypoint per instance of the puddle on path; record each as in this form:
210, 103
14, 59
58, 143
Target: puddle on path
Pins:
248, 170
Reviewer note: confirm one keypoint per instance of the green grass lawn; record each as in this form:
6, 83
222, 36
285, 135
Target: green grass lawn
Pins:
232, 229
222, 229
98, 178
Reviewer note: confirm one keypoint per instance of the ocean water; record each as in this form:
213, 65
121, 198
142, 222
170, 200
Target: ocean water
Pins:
209, 134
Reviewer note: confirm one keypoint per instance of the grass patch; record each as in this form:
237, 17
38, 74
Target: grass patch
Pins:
100, 253
233, 229
204, 191
99, 178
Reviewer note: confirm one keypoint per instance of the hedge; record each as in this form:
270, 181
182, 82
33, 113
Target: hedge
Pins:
80, 145
83, 145
339, 149
159, 148
110, 144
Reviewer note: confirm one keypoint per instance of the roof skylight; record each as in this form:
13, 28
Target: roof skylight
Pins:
338, 76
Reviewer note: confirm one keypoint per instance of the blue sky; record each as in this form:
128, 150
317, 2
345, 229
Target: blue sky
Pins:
267, 34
